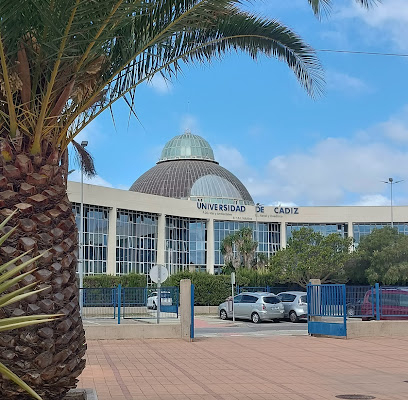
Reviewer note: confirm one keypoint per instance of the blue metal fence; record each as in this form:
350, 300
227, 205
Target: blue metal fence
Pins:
143, 302
192, 313
135, 303
99, 303
327, 311
330, 305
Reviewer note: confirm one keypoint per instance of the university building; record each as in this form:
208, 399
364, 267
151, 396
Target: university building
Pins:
178, 212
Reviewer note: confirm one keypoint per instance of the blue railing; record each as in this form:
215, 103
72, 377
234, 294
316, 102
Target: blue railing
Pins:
327, 313
364, 301
123, 302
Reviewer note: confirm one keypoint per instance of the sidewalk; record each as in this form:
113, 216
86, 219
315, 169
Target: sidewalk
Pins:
238, 368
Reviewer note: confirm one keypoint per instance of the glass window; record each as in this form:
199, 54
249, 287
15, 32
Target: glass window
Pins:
361, 230
266, 234
136, 241
238, 299
323, 229
303, 299
249, 299
95, 238
286, 297
271, 300
186, 244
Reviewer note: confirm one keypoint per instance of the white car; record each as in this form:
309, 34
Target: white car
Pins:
166, 300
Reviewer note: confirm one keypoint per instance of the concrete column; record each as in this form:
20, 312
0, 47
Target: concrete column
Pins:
111, 265
161, 239
210, 246
283, 234
316, 294
185, 308
350, 234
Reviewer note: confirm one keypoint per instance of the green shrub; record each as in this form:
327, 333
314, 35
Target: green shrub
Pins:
209, 289
109, 281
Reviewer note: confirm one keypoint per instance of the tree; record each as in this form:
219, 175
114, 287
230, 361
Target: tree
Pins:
239, 249
381, 257
310, 255
63, 62
10, 293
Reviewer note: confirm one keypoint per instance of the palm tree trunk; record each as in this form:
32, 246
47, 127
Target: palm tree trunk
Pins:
47, 357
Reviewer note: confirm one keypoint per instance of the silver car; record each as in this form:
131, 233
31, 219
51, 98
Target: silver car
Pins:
295, 304
254, 306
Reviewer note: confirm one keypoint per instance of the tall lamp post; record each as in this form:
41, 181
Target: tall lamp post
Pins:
84, 143
391, 182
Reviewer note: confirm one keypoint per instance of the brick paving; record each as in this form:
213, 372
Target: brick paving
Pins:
237, 368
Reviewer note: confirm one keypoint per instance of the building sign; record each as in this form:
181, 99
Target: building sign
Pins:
235, 208
286, 210
220, 207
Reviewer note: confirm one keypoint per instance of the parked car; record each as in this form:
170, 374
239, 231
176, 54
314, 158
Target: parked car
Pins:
166, 299
295, 305
393, 303
354, 308
258, 306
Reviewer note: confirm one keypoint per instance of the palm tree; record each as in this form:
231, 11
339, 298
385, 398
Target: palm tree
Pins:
62, 63
12, 290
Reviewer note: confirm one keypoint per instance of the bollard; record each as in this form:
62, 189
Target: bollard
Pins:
119, 300
377, 301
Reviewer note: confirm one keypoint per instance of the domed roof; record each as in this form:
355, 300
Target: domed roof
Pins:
180, 179
187, 170
188, 147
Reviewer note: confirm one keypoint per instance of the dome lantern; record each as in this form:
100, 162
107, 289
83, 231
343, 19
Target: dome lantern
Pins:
187, 147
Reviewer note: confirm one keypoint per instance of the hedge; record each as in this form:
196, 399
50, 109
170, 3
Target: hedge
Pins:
209, 289
110, 281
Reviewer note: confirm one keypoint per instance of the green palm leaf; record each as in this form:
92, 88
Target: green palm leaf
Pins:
75, 58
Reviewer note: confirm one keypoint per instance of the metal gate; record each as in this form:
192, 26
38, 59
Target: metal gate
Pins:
327, 311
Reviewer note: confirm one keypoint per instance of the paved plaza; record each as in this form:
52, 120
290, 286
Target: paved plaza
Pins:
237, 368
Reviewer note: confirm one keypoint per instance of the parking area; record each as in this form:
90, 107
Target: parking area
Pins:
242, 368
213, 326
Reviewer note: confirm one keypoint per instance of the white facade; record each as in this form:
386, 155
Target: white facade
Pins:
343, 219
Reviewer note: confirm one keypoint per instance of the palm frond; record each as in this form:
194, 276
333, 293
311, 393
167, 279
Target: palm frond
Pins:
320, 7
84, 159
65, 61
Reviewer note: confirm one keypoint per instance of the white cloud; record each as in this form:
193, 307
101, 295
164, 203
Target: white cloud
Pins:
333, 171
373, 200
396, 128
160, 84
388, 21
345, 83
96, 180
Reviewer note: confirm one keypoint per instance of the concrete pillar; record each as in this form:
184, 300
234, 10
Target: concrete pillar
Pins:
161, 239
185, 308
210, 246
350, 234
283, 237
111, 262
316, 293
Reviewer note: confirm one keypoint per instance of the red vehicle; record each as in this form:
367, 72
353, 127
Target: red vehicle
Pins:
393, 304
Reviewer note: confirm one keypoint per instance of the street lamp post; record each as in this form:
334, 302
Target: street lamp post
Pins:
391, 182
84, 143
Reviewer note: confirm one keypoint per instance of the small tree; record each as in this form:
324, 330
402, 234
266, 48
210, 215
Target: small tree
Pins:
239, 249
381, 257
310, 255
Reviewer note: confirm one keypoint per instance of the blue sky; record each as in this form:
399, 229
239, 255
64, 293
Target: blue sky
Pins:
284, 146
